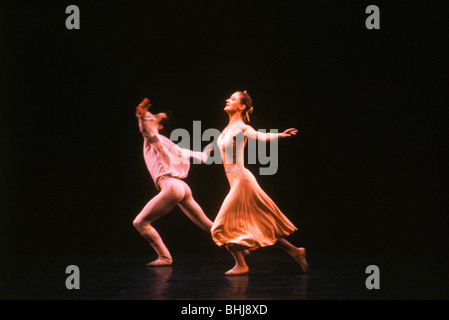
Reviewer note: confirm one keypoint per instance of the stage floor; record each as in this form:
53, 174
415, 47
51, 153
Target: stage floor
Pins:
273, 276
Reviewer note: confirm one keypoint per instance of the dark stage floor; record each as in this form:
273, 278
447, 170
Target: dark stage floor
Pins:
273, 276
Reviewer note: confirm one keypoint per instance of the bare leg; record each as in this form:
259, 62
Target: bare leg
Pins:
240, 264
164, 257
299, 254
157, 207
193, 210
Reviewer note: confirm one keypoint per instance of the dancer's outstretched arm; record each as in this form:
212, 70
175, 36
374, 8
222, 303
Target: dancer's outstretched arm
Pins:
249, 132
201, 156
149, 127
147, 121
208, 149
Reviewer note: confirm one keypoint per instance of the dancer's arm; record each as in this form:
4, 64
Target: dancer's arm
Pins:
201, 156
150, 133
249, 132
148, 123
148, 130
208, 149
148, 126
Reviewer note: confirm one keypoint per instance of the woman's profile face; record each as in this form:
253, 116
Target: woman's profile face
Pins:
233, 103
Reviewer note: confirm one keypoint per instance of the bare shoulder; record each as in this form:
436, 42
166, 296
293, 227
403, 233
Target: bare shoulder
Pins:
245, 127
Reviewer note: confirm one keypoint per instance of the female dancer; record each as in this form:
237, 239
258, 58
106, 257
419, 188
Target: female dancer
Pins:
248, 218
167, 165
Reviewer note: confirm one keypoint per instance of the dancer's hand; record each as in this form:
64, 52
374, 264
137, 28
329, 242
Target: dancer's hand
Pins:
208, 149
143, 107
203, 157
288, 133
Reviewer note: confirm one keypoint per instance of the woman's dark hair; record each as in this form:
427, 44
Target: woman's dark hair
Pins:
248, 102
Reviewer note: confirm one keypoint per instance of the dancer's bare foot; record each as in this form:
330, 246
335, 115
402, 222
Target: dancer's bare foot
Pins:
300, 258
160, 262
237, 270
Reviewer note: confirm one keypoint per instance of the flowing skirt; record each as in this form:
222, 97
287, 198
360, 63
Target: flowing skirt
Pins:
248, 217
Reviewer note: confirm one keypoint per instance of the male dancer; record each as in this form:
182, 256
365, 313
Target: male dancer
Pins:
167, 164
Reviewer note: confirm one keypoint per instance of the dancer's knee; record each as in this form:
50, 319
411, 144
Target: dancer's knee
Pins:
136, 223
140, 224
146, 230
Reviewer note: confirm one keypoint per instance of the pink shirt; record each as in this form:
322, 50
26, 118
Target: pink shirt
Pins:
165, 161
164, 158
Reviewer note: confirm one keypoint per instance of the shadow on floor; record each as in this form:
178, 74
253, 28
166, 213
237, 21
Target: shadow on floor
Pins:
273, 276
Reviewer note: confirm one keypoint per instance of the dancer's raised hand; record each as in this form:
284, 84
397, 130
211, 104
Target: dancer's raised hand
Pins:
143, 107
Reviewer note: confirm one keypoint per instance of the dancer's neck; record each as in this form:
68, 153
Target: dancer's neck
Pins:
234, 118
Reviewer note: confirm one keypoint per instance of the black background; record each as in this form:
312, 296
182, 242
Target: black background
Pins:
365, 174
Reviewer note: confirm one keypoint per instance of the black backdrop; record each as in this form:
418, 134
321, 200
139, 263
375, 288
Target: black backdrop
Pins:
365, 174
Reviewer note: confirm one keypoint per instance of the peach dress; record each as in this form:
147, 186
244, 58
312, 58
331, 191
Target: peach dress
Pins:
247, 217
